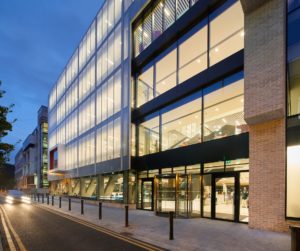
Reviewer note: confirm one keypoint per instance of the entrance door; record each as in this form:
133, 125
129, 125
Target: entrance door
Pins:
147, 194
224, 197
182, 196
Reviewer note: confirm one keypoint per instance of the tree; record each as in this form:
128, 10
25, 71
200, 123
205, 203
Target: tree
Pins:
5, 128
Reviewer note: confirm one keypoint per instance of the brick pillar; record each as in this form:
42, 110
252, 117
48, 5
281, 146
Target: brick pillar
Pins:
265, 85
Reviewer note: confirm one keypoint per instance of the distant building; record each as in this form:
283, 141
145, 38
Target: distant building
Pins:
31, 161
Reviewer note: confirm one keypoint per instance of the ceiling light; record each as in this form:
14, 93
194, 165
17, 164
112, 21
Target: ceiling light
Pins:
242, 100
179, 122
163, 82
224, 120
242, 34
167, 12
161, 5
196, 116
146, 35
216, 49
217, 109
198, 60
140, 28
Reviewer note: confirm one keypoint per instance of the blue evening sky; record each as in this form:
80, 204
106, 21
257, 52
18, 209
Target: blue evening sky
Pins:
37, 37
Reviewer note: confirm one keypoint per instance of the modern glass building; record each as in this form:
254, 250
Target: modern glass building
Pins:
180, 105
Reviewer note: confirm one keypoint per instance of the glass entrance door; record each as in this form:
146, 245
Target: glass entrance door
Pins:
165, 193
224, 198
182, 196
147, 194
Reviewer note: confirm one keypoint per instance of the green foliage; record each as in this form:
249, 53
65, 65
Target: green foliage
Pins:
5, 128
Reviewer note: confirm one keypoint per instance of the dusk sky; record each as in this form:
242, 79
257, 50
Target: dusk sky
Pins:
37, 38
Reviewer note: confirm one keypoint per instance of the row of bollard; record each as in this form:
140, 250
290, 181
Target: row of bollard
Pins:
37, 196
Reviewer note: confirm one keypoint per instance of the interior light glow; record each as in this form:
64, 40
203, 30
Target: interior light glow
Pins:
216, 49
242, 34
198, 60
224, 120
167, 12
217, 109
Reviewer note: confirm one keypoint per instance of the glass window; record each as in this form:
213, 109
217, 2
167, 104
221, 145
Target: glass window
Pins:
181, 126
293, 41
214, 167
166, 73
89, 187
100, 22
98, 146
147, 31
87, 150
118, 10
87, 80
157, 19
207, 193
111, 187
110, 54
169, 13
111, 15
237, 165
193, 55
117, 46
145, 87
110, 140
99, 66
110, 97
61, 85
117, 138
244, 196
117, 91
104, 102
226, 33
182, 7
104, 60
104, 142
193, 169
104, 20
87, 115
138, 40
224, 111
180, 169
149, 136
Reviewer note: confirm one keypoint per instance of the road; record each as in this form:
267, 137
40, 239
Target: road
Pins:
34, 229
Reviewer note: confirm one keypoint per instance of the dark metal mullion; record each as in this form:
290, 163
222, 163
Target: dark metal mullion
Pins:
160, 132
208, 41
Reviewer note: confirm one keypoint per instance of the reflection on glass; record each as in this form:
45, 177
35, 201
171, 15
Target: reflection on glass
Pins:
166, 73
147, 195
294, 87
111, 187
207, 196
89, 187
182, 125
166, 195
74, 187
145, 87
244, 197
195, 194
224, 204
214, 167
224, 112
149, 136
182, 195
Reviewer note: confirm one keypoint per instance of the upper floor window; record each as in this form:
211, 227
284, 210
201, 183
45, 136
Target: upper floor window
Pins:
192, 53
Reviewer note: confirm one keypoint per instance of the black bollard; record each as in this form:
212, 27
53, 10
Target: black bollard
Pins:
43, 198
82, 207
52, 200
69, 204
59, 201
100, 210
126, 215
171, 237
47, 199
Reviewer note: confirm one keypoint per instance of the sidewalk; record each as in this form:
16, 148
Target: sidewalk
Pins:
189, 234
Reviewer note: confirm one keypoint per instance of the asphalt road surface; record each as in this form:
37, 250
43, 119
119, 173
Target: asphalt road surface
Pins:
27, 227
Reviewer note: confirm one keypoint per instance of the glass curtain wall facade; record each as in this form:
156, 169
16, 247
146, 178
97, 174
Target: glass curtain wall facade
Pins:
212, 113
212, 40
86, 107
293, 110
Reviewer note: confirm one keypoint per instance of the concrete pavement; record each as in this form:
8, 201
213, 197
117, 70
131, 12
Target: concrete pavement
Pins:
190, 234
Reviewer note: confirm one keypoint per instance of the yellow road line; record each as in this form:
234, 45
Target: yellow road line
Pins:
135, 242
16, 236
9, 240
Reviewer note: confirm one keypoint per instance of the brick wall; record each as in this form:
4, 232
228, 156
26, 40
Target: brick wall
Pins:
267, 176
265, 84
